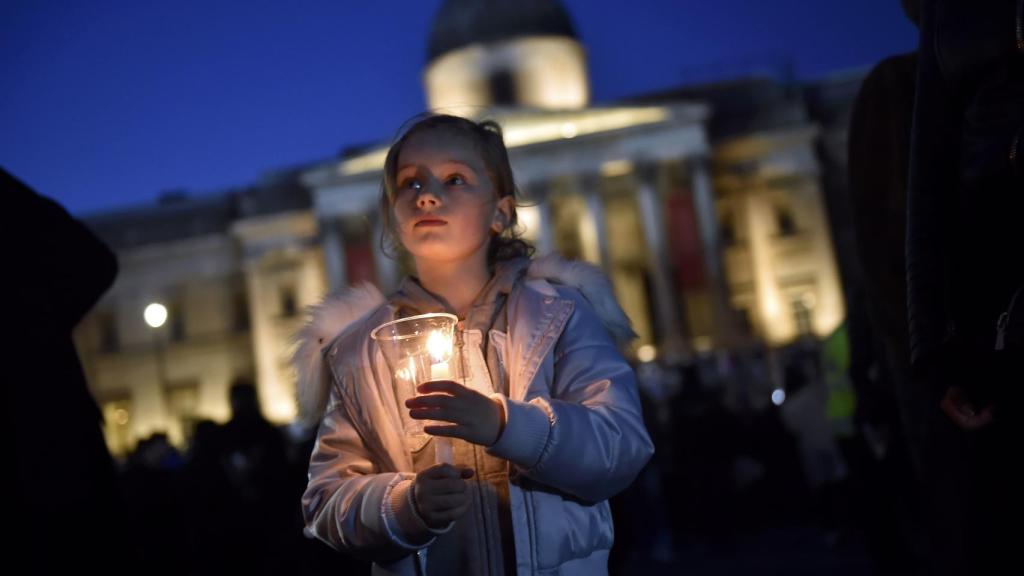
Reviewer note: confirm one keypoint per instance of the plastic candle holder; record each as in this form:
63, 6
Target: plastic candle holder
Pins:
419, 349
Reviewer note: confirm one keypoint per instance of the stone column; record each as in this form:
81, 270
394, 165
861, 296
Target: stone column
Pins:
652, 211
707, 216
589, 185
261, 326
334, 254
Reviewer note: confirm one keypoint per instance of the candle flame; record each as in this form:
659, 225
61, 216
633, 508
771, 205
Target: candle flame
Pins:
439, 346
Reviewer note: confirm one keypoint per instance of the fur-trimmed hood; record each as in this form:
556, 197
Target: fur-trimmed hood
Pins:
341, 309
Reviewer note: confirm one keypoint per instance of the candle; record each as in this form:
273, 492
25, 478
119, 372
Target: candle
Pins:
444, 452
440, 371
439, 346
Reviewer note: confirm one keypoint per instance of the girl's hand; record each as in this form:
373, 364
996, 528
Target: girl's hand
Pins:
440, 494
475, 417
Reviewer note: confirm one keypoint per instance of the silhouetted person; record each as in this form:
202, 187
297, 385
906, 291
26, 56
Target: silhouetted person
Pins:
206, 495
67, 511
964, 265
887, 452
879, 162
257, 508
153, 491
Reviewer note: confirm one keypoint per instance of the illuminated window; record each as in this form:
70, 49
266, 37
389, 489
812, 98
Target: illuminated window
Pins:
746, 321
784, 222
289, 307
802, 316
503, 88
726, 231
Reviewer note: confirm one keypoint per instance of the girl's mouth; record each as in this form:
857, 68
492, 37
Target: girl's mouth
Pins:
430, 222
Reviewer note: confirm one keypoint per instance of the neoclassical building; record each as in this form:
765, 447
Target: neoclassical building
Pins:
703, 204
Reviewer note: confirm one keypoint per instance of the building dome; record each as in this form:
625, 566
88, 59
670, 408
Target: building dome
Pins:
504, 53
460, 23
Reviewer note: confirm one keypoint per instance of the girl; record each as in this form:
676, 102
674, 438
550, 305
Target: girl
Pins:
545, 425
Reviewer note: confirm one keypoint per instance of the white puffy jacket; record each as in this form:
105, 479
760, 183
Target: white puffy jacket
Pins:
574, 435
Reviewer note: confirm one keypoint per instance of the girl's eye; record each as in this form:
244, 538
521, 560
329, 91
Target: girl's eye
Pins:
410, 184
456, 179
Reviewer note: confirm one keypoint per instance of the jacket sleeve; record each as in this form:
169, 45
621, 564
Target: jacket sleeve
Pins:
352, 506
589, 438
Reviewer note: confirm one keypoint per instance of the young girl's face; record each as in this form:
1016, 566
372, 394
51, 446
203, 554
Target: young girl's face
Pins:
445, 204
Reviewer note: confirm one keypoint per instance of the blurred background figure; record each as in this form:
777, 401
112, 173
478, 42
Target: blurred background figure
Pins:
965, 205
891, 407
154, 494
68, 513
256, 512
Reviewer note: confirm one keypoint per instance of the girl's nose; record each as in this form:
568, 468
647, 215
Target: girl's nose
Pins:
427, 199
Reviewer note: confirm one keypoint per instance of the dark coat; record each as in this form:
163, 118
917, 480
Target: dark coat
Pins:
964, 262
966, 191
65, 494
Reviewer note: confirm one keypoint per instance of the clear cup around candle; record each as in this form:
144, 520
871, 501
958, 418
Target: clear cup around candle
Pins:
419, 349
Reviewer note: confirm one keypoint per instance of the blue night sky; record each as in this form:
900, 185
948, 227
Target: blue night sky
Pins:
107, 103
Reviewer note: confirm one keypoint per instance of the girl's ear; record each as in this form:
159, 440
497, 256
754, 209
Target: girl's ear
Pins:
503, 214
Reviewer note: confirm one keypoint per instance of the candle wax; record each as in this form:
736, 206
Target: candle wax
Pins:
440, 371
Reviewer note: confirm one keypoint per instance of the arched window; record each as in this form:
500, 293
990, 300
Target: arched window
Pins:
784, 222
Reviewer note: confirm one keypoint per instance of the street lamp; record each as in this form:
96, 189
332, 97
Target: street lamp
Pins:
155, 315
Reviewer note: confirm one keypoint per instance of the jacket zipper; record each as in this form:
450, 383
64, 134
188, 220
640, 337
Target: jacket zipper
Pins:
459, 328
1004, 318
421, 561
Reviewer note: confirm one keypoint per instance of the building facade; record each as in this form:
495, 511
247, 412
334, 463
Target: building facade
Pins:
703, 204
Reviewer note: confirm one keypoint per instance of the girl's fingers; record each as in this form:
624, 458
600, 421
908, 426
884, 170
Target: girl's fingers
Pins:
452, 514
446, 431
437, 400
428, 401
454, 485
441, 414
444, 386
440, 471
434, 503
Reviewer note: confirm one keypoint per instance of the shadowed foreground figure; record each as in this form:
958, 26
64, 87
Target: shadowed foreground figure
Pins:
964, 265
67, 506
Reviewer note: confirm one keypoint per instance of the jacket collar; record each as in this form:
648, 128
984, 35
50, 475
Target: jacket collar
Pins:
412, 298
